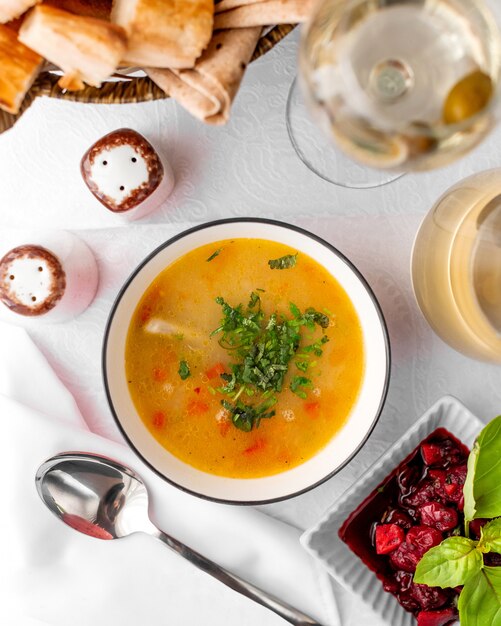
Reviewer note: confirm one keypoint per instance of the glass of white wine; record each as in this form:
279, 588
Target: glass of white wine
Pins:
456, 266
399, 85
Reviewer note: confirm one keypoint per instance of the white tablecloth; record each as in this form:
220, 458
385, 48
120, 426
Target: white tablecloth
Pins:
246, 169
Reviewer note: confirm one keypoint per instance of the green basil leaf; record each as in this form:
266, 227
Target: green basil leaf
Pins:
491, 536
450, 564
480, 600
486, 469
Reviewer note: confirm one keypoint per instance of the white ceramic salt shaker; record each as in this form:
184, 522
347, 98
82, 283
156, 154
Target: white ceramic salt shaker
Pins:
125, 173
51, 277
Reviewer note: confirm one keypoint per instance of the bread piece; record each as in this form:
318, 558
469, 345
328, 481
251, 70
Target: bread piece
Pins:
86, 49
10, 9
15, 24
19, 67
164, 33
89, 8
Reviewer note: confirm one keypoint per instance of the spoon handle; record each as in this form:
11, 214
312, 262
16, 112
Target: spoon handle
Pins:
287, 612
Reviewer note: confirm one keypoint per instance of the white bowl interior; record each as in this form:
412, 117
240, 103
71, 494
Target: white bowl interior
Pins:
336, 452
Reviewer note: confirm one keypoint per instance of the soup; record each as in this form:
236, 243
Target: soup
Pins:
244, 358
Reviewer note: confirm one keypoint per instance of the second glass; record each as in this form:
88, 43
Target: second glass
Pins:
456, 266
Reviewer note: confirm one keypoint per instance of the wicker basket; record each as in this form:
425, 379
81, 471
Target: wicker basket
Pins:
129, 89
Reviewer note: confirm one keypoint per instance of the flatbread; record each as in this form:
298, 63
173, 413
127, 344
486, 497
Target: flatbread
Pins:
208, 90
245, 13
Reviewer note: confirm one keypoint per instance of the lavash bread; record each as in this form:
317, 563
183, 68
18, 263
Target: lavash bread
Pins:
88, 8
11, 9
164, 33
245, 13
19, 68
86, 49
208, 90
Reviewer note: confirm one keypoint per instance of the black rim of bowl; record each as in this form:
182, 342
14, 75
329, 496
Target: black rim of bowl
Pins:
271, 223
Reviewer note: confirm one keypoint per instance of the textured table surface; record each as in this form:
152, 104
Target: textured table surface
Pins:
245, 169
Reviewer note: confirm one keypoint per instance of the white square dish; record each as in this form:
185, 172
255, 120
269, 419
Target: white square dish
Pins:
322, 540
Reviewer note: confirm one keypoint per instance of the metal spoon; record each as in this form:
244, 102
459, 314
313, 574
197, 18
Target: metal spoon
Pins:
101, 498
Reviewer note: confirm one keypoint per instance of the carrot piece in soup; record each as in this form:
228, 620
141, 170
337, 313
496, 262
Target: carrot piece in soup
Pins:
215, 371
145, 313
159, 419
197, 407
159, 374
259, 444
149, 305
224, 427
312, 408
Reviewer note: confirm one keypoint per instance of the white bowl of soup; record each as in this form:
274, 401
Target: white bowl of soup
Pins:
246, 361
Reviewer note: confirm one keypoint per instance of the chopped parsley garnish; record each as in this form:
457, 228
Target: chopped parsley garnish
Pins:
315, 347
184, 370
263, 348
302, 365
297, 382
284, 262
246, 416
254, 299
214, 254
319, 318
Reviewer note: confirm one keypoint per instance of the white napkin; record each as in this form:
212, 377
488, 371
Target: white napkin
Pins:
52, 574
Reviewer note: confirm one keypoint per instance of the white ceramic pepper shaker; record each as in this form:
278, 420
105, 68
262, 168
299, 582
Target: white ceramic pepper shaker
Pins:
126, 174
51, 277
